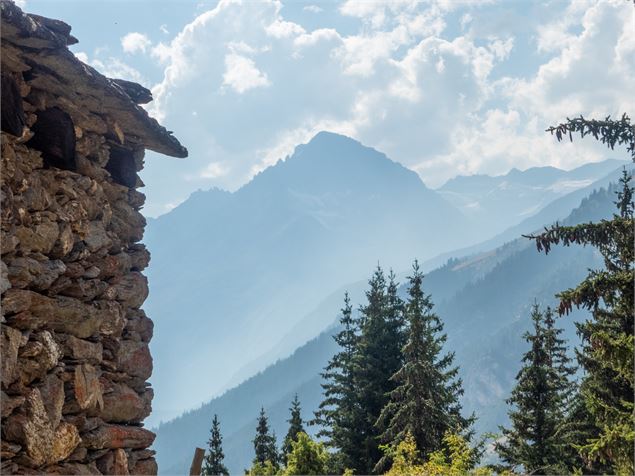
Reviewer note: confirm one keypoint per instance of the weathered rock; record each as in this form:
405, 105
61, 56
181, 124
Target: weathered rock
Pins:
37, 357
114, 462
138, 326
41, 238
145, 466
27, 272
122, 404
10, 403
4, 277
80, 349
131, 289
61, 314
52, 391
118, 436
96, 237
88, 393
33, 430
65, 441
74, 469
9, 450
135, 359
9, 343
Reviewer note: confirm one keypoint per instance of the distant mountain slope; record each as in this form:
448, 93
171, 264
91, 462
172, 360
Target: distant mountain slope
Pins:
484, 301
557, 210
497, 203
231, 272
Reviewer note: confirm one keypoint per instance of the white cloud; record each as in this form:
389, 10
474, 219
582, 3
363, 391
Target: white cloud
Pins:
214, 170
20, 3
164, 29
241, 74
440, 100
135, 43
312, 9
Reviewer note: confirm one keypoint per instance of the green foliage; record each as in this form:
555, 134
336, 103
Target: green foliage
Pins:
425, 401
295, 427
213, 463
378, 358
263, 469
339, 414
608, 340
306, 457
264, 444
455, 458
608, 131
539, 402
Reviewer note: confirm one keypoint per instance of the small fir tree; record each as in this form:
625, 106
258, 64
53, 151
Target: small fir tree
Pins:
425, 402
265, 442
339, 413
295, 427
535, 440
213, 463
378, 358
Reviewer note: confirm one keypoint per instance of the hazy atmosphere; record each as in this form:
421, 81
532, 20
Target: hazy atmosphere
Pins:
375, 255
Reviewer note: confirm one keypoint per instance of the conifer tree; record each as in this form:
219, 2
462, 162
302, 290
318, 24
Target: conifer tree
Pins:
264, 442
295, 427
539, 402
425, 400
339, 413
213, 463
378, 358
607, 355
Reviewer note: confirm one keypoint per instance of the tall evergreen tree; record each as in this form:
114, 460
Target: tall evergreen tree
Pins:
213, 463
424, 401
295, 427
339, 413
607, 355
539, 402
378, 358
264, 442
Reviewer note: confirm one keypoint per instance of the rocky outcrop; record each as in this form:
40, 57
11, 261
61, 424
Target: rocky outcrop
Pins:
73, 339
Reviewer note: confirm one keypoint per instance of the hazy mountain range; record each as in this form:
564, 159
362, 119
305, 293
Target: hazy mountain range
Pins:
496, 203
240, 279
484, 300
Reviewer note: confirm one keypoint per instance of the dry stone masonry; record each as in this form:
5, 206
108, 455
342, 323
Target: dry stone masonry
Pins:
74, 343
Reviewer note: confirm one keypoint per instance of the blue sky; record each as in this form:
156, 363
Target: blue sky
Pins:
445, 87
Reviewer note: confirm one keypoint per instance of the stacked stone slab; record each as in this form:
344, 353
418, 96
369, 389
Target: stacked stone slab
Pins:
74, 342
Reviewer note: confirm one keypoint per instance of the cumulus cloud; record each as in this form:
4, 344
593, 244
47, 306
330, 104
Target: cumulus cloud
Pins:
438, 86
312, 8
241, 74
135, 43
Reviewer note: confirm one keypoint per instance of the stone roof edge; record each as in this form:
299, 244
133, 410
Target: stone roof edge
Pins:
37, 36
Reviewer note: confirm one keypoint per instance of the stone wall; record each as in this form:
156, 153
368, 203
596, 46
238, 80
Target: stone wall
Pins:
74, 341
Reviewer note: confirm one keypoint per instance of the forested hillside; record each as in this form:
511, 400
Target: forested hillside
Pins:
484, 301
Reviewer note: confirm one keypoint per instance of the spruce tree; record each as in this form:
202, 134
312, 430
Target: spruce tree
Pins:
539, 401
424, 401
295, 427
264, 442
378, 358
339, 413
213, 463
607, 355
